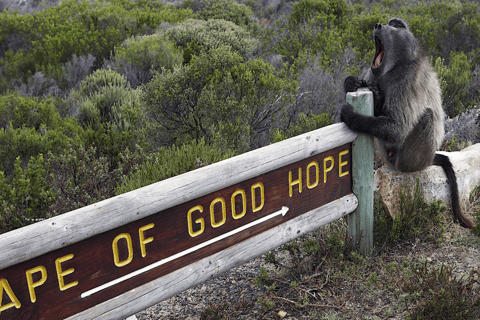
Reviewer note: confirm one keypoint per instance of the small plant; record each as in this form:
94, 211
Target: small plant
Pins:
266, 303
226, 310
475, 200
263, 279
415, 219
439, 294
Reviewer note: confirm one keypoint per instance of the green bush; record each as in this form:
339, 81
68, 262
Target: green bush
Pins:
138, 57
109, 99
304, 10
101, 79
228, 10
44, 40
29, 126
454, 80
81, 177
169, 162
18, 112
212, 34
416, 219
27, 197
216, 95
304, 123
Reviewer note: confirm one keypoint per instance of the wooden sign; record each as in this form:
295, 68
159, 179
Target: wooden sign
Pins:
110, 273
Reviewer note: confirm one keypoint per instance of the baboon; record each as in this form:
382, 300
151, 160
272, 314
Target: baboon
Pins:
408, 117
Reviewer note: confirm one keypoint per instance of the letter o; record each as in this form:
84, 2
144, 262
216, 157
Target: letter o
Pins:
212, 212
116, 258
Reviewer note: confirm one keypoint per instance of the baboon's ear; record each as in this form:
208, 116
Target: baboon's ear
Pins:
397, 23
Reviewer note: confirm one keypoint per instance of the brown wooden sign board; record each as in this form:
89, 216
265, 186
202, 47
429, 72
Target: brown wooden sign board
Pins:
66, 281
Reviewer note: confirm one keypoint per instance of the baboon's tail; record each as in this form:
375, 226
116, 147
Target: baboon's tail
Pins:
444, 162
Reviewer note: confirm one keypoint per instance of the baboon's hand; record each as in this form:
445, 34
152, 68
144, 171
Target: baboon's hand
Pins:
346, 113
352, 84
373, 86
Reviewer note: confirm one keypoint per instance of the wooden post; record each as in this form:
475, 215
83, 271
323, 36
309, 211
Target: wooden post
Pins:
360, 222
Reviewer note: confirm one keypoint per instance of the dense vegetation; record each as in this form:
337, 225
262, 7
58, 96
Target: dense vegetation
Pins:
93, 96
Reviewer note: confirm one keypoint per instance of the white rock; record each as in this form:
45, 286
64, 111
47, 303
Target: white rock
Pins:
433, 181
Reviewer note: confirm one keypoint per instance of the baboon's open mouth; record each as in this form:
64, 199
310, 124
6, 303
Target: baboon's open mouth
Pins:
379, 52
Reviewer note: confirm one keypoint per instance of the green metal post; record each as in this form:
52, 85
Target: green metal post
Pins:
360, 222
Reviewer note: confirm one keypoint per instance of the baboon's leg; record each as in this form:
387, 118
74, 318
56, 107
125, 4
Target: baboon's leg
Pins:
418, 150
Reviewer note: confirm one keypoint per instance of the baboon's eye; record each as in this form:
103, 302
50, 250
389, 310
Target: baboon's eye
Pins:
397, 23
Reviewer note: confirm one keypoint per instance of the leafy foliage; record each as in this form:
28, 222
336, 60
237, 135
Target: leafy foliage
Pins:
216, 95
81, 177
304, 123
30, 126
415, 219
169, 162
443, 294
44, 40
454, 80
27, 197
198, 36
139, 56
228, 10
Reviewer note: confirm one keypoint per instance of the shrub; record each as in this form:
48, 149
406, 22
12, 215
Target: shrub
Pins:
138, 57
38, 86
27, 197
454, 80
29, 126
18, 112
228, 10
81, 176
76, 70
304, 123
212, 34
304, 10
110, 101
415, 219
169, 162
321, 88
463, 128
101, 79
44, 40
443, 295
216, 95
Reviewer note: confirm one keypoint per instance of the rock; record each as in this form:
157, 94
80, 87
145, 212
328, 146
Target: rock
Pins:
433, 181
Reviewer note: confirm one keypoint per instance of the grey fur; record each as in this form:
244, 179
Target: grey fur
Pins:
408, 117
407, 135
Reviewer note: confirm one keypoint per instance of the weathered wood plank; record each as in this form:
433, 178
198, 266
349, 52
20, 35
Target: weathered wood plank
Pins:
177, 281
58, 232
360, 223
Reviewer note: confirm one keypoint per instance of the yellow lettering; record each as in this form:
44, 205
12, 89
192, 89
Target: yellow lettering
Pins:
292, 183
341, 164
212, 212
32, 285
262, 197
199, 220
61, 273
244, 202
116, 257
144, 241
325, 169
312, 164
5, 286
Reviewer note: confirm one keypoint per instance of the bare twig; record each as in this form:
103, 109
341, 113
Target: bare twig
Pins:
308, 305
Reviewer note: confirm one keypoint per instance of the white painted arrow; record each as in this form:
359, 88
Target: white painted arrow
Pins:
282, 212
